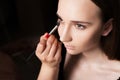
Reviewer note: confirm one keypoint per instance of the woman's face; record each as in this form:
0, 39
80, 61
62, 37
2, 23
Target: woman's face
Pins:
80, 26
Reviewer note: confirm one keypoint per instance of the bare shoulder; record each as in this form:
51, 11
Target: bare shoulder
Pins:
117, 69
115, 66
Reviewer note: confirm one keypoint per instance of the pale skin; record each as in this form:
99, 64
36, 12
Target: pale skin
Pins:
80, 30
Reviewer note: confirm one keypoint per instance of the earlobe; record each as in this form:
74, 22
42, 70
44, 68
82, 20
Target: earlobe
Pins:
107, 27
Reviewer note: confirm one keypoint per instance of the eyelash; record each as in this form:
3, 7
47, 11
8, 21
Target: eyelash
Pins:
78, 26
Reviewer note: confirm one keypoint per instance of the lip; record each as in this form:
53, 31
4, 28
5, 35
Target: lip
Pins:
69, 47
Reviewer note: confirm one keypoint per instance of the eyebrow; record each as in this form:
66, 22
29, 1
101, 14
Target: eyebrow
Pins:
74, 21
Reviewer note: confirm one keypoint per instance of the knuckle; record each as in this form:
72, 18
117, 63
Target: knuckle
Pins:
51, 39
43, 58
50, 59
41, 37
55, 43
39, 45
36, 53
49, 42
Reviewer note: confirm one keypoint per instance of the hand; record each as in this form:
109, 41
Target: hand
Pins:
49, 51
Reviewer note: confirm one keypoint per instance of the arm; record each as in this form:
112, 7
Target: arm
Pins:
49, 53
47, 73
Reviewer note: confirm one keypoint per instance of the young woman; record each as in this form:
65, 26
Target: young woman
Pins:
89, 30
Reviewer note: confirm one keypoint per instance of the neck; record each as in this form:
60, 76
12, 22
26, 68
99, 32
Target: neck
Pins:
96, 56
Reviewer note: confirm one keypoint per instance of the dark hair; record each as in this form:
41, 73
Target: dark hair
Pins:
111, 43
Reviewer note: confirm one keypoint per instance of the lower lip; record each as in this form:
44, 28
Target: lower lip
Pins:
69, 47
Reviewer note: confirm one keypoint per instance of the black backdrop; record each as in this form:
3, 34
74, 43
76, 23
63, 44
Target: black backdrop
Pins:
25, 18
20, 22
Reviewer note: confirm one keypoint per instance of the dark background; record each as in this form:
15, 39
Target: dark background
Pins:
22, 22
25, 18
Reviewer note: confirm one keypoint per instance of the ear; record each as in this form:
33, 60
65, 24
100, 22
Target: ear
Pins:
107, 28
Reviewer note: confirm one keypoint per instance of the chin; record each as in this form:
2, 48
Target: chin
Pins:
72, 52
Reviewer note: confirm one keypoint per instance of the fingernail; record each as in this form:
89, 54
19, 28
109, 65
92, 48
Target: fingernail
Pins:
47, 35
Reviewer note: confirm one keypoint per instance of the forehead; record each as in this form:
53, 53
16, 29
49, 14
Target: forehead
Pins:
78, 9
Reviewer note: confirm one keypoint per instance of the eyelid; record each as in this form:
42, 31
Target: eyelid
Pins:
80, 25
77, 24
59, 21
59, 17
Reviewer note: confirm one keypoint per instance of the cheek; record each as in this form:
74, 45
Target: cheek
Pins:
92, 38
88, 39
94, 33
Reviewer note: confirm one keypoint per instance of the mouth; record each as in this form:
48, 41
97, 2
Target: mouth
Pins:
69, 47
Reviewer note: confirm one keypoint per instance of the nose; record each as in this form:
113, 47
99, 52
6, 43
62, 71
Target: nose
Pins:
66, 34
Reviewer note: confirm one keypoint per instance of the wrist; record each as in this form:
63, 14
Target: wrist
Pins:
48, 73
46, 66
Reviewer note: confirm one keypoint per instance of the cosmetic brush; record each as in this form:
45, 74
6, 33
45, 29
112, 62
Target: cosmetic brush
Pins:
53, 30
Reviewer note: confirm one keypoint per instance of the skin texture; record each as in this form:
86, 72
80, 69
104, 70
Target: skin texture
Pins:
79, 38
80, 30
49, 52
